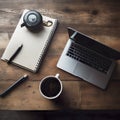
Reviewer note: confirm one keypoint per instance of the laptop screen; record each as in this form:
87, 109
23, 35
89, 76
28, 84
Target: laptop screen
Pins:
94, 45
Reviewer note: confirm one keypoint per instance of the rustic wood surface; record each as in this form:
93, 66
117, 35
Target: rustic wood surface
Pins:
96, 18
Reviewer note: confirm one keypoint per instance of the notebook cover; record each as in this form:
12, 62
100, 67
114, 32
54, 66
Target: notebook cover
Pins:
34, 44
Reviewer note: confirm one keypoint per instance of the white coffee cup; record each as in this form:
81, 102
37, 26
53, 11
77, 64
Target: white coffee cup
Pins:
51, 87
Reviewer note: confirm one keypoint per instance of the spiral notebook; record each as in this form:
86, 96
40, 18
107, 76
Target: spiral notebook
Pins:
34, 44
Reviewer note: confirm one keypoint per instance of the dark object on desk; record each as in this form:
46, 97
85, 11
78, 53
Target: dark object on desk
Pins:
51, 87
15, 54
88, 59
32, 20
22, 79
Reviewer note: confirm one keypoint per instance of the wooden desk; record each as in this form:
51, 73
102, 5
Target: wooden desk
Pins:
98, 19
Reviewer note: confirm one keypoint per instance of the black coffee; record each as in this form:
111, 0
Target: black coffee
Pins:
50, 87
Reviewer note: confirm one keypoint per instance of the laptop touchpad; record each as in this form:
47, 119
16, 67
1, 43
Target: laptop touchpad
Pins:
82, 71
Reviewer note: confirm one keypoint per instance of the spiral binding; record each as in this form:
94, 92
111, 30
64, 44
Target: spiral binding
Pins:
45, 46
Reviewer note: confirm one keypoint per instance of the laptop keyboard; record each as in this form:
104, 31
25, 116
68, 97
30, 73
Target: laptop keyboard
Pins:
89, 57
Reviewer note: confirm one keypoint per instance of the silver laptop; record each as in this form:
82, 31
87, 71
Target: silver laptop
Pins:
88, 59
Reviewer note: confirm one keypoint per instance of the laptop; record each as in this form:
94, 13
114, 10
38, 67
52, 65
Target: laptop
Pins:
88, 59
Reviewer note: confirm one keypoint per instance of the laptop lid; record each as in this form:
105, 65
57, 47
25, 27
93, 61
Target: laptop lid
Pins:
88, 42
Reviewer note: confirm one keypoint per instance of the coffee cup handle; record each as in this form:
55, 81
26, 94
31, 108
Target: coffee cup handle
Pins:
57, 75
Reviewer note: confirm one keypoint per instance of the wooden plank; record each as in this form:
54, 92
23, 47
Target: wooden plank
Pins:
76, 95
95, 98
47, 68
27, 97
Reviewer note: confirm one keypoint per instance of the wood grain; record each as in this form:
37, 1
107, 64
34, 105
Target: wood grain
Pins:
27, 97
96, 18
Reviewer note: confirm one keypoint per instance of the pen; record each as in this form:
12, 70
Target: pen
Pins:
19, 81
15, 54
